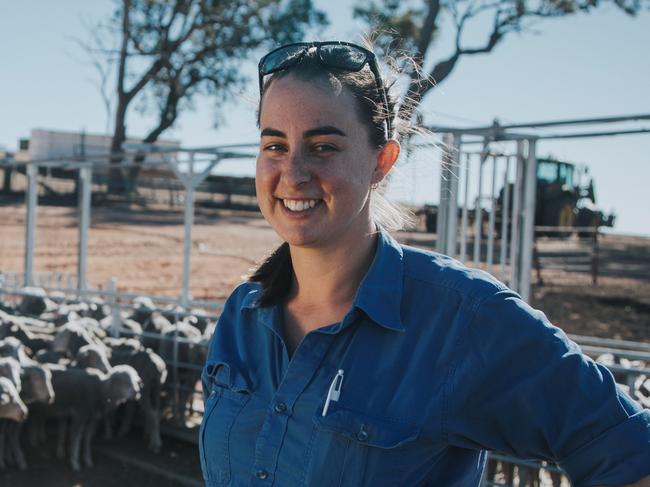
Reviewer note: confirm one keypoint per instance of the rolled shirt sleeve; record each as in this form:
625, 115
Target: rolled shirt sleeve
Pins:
523, 388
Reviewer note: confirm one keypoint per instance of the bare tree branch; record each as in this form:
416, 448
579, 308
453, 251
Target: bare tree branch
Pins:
417, 29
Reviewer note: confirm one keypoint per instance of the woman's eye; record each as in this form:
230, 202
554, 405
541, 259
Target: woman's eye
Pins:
325, 148
274, 147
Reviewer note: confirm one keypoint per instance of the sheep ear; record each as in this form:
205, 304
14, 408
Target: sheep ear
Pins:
4, 399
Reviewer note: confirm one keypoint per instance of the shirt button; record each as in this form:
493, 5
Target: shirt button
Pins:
262, 474
280, 407
362, 435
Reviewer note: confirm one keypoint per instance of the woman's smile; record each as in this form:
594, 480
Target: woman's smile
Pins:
300, 205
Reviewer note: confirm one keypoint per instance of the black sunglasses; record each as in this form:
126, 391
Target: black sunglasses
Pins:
333, 54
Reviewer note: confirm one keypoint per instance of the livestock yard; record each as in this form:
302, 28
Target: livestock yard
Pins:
142, 248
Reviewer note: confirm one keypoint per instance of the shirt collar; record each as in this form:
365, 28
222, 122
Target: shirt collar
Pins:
379, 295
380, 292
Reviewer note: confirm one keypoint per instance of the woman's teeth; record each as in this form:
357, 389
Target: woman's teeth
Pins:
300, 205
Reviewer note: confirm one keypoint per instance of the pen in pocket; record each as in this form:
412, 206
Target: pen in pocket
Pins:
334, 391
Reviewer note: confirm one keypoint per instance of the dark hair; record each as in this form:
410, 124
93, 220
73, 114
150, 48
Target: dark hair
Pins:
362, 85
276, 271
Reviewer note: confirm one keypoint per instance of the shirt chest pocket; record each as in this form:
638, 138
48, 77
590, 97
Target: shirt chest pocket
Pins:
354, 449
228, 395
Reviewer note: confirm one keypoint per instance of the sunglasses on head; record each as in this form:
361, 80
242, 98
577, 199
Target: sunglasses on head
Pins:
333, 54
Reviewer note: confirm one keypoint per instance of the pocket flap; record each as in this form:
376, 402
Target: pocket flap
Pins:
223, 374
368, 430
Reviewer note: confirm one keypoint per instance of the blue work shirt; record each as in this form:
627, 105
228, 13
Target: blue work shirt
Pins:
440, 363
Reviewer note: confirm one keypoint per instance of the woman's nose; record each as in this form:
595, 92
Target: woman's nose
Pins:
296, 170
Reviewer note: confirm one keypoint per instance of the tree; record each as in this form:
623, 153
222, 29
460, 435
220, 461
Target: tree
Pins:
168, 52
413, 27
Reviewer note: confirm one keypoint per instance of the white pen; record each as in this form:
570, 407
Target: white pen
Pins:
334, 391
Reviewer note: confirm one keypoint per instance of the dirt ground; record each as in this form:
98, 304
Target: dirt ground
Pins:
143, 247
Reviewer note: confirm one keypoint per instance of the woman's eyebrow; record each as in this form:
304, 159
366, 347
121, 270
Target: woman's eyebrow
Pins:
269, 132
324, 130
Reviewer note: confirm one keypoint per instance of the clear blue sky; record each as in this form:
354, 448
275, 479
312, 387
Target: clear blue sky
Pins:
585, 66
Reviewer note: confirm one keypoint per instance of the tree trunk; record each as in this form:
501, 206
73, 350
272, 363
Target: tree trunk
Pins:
6, 186
116, 182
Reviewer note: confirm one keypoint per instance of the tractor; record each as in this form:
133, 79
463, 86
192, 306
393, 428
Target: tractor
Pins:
561, 199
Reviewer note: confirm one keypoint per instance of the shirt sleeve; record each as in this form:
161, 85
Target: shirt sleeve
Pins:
523, 388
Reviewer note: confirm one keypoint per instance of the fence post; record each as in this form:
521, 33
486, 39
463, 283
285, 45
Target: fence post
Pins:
528, 221
594, 257
452, 184
505, 209
443, 205
478, 212
116, 318
515, 231
31, 197
492, 217
85, 179
464, 221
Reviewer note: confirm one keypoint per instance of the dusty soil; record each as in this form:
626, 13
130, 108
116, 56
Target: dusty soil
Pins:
143, 248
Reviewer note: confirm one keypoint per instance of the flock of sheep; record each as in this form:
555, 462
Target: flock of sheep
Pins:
62, 361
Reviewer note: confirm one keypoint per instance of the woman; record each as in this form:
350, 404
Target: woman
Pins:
348, 359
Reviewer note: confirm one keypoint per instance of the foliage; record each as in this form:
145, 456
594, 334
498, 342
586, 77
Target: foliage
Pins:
411, 27
168, 52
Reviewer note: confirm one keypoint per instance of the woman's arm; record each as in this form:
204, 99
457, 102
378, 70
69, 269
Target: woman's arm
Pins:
644, 482
537, 396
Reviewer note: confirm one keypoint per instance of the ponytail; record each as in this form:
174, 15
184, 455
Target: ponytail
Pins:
275, 276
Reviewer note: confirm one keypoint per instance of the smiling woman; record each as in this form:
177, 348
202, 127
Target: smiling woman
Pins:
348, 359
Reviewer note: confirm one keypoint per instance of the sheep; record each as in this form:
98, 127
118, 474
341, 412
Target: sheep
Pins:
153, 373
10, 368
34, 301
9, 372
52, 357
12, 347
123, 344
157, 325
12, 406
126, 326
36, 387
33, 340
12, 409
83, 397
191, 351
93, 356
71, 337
143, 308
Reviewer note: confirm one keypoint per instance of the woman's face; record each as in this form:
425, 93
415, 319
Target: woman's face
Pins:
315, 164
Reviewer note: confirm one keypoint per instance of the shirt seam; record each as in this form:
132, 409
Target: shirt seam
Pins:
445, 284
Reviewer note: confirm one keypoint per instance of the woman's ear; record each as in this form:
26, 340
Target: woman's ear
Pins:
386, 159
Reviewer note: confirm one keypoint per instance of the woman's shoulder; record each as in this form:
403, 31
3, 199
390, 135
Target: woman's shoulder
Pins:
244, 295
442, 271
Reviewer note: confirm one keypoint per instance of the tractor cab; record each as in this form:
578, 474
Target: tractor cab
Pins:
562, 200
554, 172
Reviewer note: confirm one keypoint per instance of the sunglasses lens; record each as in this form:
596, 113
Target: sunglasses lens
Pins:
281, 59
343, 57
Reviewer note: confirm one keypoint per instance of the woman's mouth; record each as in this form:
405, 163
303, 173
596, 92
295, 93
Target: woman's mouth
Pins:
298, 206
